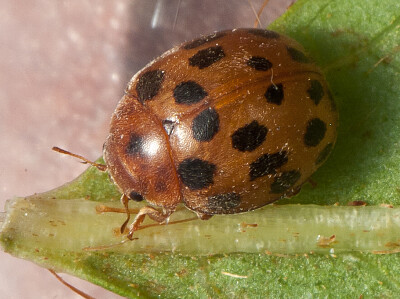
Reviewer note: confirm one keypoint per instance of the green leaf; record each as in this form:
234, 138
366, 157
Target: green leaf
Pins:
261, 253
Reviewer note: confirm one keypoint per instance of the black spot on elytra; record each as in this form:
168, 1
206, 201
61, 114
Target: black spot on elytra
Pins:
316, 91
285, 181
315, 132
297, 55
196, 173
224, 203
203, 40
263, 33
267, 164
135, 145
205, 125
149, 85
206, 57
274, 94
135, 196
169, 126
249, 137
324, 153
259, 63
189, 92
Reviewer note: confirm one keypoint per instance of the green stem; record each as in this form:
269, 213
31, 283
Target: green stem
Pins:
33, 225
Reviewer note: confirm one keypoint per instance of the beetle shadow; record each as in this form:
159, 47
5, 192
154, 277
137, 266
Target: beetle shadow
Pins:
365, 89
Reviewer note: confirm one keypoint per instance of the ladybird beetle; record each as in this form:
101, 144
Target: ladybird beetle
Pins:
224, 124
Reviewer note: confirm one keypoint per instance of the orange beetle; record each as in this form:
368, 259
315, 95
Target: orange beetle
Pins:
225, 124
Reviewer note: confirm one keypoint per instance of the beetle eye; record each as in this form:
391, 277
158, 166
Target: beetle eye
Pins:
135, 196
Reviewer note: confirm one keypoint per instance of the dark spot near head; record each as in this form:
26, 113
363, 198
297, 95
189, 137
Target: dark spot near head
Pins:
135, 145
324, 153
249, 137
297, 55
274, 94
189, 92
316, 91
263, 33
169, 126
267, 164
196, 173
149, 85
315, 132
285, 181
205, 125
224, 203
259, 63
135, 196
206, 57
203, 40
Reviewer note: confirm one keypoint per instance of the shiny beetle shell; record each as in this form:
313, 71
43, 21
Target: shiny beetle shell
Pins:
226, 123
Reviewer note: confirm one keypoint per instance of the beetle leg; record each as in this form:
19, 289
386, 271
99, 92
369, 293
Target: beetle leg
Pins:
203, 216
153, 214
124, 201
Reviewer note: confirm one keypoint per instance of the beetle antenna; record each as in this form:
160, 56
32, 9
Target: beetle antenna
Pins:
176, 15
74, 289
100, 167
257, 22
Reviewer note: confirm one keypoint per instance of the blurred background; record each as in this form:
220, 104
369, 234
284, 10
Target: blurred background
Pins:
64, 66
